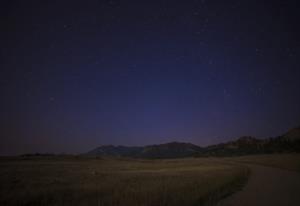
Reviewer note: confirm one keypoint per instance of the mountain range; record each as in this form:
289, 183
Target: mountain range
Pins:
288, 142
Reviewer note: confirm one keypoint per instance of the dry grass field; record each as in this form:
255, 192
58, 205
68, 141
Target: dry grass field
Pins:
118, 182
283, 161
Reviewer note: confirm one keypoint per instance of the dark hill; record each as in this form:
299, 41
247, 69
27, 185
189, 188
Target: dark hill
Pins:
168, 150
293, 134
288, 142
241, 146
118, 151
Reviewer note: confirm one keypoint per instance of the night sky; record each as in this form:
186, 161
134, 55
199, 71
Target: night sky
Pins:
79, 74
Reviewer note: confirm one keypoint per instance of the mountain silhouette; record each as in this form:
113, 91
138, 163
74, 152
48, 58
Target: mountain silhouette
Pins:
288, 142
168, 150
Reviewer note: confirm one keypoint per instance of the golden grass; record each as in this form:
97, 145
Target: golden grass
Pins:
283, 161
116, 182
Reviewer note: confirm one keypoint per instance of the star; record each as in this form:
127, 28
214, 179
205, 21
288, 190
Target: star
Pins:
196, 13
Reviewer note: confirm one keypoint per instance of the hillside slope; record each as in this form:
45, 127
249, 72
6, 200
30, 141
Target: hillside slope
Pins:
288, 142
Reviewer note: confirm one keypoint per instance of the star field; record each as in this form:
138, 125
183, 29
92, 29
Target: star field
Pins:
77, 74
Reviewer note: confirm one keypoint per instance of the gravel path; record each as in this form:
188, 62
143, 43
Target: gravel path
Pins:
267, 186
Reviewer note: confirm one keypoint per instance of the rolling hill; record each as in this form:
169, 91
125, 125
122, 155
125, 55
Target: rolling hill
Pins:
168, 150
288, 142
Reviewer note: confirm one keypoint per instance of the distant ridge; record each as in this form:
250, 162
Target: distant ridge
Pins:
293, 134
288, 142
168, 150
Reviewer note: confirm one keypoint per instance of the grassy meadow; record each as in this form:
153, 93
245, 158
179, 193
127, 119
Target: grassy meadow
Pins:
118, 182
283, 161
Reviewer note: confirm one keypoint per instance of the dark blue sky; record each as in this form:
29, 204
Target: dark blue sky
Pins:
79, 74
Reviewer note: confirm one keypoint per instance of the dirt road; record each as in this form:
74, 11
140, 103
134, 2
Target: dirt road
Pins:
267, 186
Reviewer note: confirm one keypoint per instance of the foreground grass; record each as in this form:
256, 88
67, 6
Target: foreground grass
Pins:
71, 181
283, 161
